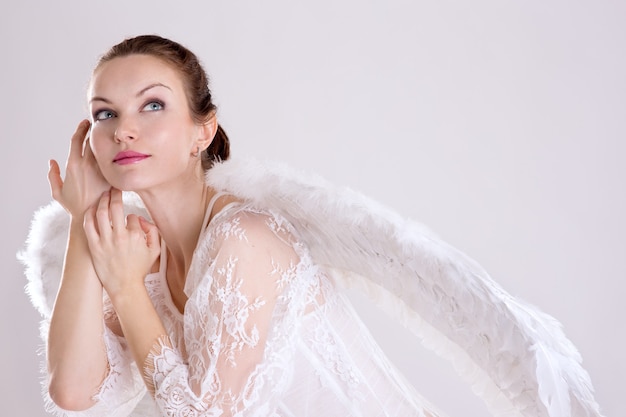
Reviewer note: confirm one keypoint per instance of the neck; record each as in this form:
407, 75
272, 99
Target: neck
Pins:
178, 213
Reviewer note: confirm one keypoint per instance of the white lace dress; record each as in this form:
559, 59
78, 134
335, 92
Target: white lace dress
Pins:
264, 333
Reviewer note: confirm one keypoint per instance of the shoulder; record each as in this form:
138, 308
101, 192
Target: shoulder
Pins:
253, 240
253, 223
246, 228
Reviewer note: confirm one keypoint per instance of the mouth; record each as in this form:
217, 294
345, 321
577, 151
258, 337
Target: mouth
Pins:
129, 157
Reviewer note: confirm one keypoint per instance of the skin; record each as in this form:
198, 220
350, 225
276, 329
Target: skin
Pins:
138, 103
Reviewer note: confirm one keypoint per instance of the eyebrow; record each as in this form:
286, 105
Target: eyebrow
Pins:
143, 90
140, 93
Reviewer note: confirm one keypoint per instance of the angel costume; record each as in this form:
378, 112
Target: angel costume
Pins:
267, 330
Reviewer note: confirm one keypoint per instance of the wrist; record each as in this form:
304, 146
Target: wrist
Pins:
76, 223
126, 295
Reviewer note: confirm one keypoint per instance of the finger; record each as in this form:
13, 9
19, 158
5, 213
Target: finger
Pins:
132, 222
116, 208
87, 151
103, 216
54, 179
152, 233
76, 144
90, 226
90, 157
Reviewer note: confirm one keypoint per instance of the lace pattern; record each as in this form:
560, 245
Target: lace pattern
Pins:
363, 243
263, 333
122, 377
232, 329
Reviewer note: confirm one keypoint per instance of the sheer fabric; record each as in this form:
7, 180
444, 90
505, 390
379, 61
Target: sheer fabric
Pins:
264, 333
295, 347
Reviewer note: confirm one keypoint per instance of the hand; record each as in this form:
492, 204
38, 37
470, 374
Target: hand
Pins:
84, 182
123, 249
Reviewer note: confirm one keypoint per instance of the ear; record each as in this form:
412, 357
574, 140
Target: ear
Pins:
207, 131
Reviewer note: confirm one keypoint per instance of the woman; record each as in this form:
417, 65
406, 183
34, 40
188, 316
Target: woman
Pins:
220, 297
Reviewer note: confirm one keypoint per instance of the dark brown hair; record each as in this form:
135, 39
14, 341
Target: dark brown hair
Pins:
194, 78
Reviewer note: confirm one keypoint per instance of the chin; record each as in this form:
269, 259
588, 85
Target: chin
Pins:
127, 182
130, 186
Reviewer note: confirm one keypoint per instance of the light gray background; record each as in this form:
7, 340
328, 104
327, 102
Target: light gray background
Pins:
500, 124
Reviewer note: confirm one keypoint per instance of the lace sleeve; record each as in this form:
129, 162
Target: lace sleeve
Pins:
239, 324
121, 389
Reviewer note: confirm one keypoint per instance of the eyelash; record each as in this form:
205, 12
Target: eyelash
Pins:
97, 112
149, 102
154, 101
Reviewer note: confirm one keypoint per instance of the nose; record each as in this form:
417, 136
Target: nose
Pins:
126, 130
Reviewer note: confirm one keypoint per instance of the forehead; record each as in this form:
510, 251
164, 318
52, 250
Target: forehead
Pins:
133, 72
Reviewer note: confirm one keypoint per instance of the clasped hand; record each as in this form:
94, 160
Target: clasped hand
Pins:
123, 248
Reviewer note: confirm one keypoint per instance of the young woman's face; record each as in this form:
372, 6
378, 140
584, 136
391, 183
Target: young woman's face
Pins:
142, 134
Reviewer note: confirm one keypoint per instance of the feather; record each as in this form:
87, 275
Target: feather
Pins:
43, 256
44, 251
515, 357
552, 390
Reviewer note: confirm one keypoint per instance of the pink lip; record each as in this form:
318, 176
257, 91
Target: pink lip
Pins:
129, 157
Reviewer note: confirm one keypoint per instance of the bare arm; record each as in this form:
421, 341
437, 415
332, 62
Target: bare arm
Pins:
77, 361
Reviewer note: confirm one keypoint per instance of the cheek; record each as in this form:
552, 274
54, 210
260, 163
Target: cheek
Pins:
171, 133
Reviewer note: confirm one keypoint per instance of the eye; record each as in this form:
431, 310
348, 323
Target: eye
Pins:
153, 106
103, 115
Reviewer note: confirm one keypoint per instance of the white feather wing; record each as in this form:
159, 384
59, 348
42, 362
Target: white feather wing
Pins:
514, 356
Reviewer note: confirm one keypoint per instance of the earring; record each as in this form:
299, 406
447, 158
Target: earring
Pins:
196, 153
